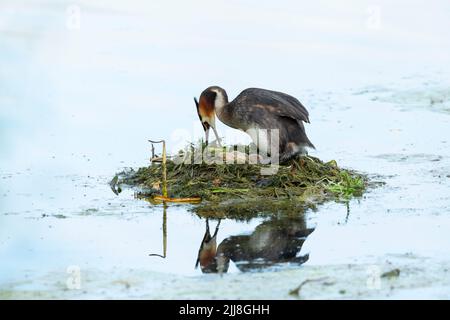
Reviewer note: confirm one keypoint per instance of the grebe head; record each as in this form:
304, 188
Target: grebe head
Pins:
212, 100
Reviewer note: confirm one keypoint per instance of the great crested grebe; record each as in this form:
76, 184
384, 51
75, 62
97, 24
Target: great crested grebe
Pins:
256, 112
272, 242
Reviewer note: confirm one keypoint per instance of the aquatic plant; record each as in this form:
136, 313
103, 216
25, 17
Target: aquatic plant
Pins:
240, 190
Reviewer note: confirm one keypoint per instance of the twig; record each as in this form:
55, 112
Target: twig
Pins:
164, 227
188, 200
296, 291
164, 167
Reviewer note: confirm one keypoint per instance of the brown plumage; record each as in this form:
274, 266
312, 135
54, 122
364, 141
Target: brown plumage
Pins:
207, 253
206, 114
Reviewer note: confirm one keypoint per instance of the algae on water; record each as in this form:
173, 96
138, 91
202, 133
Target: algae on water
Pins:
240, 191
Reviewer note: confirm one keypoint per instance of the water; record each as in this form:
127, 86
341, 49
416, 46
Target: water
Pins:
78, 105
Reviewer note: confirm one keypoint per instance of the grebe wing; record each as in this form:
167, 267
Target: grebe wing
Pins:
276, 102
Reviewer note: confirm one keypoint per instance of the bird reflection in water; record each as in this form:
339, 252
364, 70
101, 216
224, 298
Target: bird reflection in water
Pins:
275, 241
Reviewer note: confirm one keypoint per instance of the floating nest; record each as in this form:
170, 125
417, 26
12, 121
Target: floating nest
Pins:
241, 190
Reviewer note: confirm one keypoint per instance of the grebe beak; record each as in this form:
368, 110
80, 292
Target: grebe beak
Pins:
206, 133
219, 142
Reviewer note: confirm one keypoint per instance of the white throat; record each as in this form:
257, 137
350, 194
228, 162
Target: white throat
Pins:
220, 102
